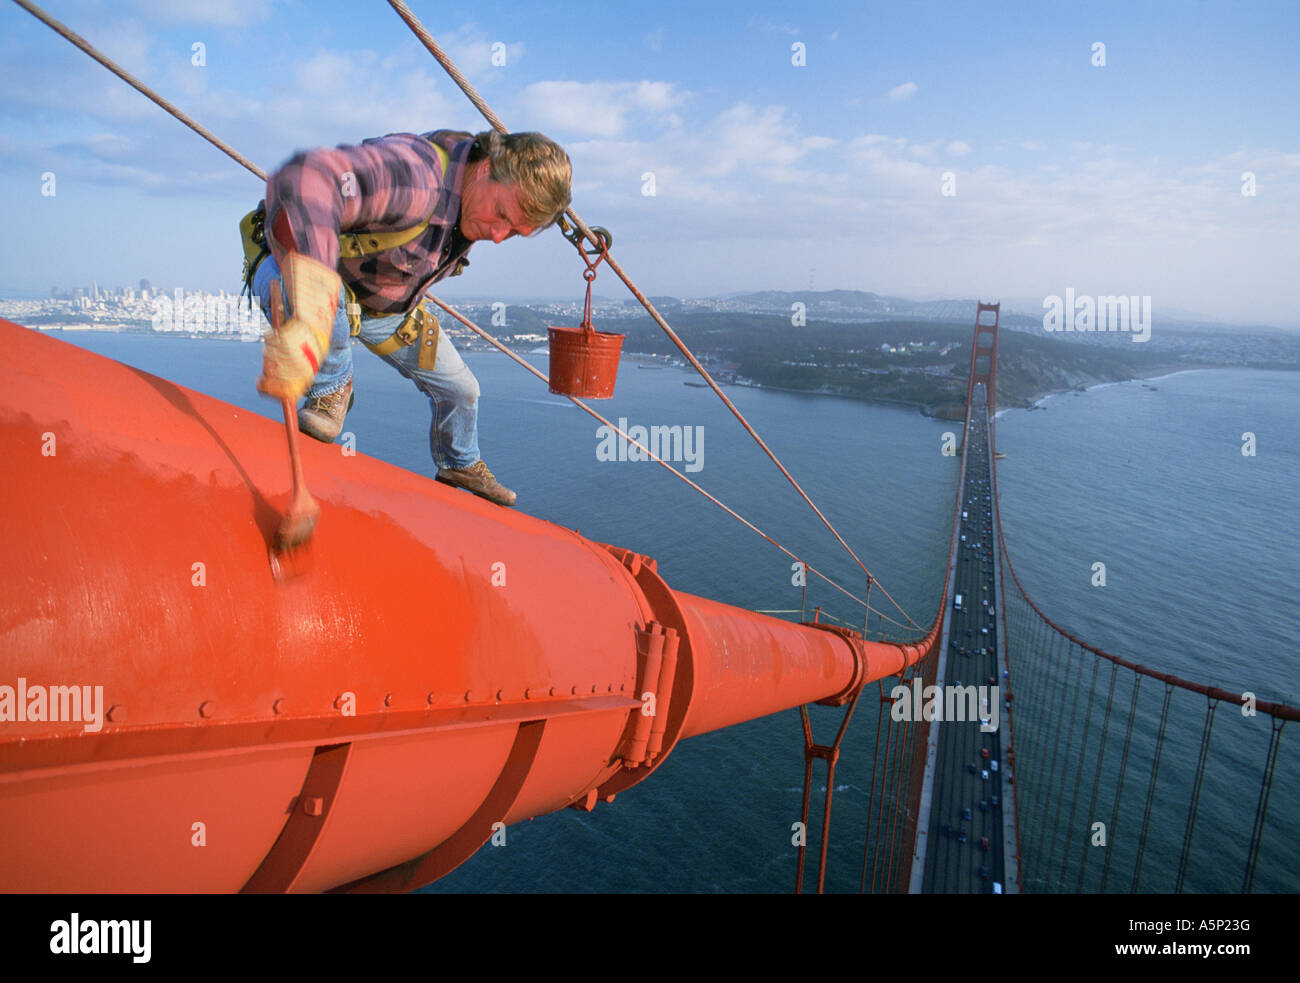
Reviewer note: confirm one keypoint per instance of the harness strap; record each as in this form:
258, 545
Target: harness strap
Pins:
418, 326
355, 244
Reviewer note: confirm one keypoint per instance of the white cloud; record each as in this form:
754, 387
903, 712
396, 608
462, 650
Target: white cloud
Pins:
600, 108
770, 26
227, 13
471, 50
901, 92
958, 148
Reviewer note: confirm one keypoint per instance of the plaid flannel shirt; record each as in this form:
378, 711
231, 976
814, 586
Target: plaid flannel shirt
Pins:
385, 184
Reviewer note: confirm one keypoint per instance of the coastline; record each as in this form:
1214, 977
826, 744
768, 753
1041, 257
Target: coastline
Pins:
939, 410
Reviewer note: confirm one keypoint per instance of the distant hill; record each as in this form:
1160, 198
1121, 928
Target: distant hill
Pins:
859, 306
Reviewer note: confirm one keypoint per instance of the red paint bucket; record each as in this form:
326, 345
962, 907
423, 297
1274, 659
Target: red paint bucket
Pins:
584, 362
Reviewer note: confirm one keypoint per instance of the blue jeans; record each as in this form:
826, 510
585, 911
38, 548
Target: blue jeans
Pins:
451, 386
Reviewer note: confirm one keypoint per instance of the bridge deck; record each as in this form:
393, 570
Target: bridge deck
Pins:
968, 805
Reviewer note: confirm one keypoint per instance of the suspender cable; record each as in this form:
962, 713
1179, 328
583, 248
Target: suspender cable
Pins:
1151, 786
1119, 784
1096, 778
875, 761
1083, 751
1195, 805
1261, 809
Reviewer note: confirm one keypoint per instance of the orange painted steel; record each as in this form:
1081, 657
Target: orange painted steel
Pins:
360, 719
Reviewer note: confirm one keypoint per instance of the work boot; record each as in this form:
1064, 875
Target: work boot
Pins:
479, 480
322, 417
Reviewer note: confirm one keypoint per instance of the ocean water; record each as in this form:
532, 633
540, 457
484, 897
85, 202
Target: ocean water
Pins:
1147, 484
1200, 545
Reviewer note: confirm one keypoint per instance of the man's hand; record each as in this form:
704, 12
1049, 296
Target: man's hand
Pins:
294, 349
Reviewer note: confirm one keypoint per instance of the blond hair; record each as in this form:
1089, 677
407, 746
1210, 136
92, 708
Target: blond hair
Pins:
535, 164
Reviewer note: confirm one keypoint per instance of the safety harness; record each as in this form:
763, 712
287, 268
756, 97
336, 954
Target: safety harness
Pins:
420, 324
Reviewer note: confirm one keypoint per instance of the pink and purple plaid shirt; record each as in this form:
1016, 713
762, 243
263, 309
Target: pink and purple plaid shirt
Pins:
384, 184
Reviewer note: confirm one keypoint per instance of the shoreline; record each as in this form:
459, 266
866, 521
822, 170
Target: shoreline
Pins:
924, 409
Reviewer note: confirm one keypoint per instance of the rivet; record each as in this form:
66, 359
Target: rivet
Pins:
573, 691
555, 690
499, 696
611, 687
431, 697
528, 692
278, 706
622, 687
388, 700
593, 687
116, 713
469, 696
313, 805
207, 708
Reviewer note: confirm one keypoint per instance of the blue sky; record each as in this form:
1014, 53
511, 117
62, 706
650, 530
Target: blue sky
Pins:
1119, 179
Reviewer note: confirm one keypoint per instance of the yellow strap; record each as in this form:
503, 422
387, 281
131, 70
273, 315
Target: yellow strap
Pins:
355, 244
387, 346
407, 333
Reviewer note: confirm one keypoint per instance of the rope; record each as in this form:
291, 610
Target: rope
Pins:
458, 77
